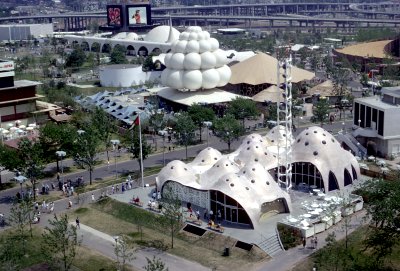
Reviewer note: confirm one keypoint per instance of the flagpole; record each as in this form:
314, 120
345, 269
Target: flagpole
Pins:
141, 151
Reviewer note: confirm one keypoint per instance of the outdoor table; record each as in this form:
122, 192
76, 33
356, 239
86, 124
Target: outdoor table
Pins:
307, 215
314, 205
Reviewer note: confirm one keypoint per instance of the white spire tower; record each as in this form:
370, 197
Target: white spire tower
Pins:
285, 118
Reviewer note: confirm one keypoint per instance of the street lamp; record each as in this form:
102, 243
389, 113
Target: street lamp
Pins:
359, 123
61, 155
115, 143
344, 127
163, 148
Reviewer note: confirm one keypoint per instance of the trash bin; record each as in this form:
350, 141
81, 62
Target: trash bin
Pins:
226, 251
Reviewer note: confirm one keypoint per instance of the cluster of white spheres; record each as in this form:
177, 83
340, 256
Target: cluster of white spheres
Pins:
195, 62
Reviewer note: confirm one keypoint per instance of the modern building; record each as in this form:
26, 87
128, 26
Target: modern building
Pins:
376, 119
18, 99
126, 75
243, 185
17, 32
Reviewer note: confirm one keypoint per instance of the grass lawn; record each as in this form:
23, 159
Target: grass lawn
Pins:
356, 249
86, 259
116, 218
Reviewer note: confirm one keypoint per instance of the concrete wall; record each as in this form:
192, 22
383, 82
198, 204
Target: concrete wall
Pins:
127, 77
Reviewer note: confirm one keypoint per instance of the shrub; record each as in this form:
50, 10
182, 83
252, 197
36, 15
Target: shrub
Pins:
290, 237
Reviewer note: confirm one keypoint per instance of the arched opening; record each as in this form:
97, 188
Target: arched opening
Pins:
347, 178
231, 210
75, 44
106, 48
85, 46
95, 47
143, 51
305, 174
333, 183
156, 51
130, 50
371, 148
355, 177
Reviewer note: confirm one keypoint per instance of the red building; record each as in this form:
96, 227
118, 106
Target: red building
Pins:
18, 99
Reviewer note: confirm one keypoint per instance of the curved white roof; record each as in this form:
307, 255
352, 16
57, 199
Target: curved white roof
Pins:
256, 152
208, 156
222, 167
277, 134
178, 171
315, 145
132, 36
160, 34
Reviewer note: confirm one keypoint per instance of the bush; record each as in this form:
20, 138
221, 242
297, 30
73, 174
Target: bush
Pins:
290, 237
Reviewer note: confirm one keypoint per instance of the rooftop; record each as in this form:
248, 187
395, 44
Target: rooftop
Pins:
376, 102
368, 49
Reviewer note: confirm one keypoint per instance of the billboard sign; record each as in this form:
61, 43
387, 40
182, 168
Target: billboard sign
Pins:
115, 15
6, 66
139, 15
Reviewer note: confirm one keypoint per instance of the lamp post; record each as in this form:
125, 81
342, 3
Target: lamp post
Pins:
163, 149
344, 127
359, 123
115, 143
61, 155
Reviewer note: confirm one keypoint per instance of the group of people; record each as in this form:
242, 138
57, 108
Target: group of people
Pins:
127, 185
209, 215
314, 242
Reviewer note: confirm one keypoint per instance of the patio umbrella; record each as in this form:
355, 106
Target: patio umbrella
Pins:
29, 128
18, 121
10, 125
5, 132
22, 127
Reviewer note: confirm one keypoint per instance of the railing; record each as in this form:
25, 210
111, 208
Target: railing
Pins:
279, 238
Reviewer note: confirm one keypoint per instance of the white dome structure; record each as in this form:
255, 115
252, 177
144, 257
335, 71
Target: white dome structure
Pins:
132, 36
196, 51
335, 167
277, 134
161, 34
208, 156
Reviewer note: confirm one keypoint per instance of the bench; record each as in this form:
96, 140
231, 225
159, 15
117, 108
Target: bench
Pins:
216, 227
137, 203
194, 220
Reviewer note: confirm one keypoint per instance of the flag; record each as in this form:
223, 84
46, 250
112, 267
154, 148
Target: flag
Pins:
136, 122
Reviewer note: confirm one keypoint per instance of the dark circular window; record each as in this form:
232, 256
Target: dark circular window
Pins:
256, 160
253, 169
267, 183
306, 143
324, 134
323, 142
248, 142
232, 184
273, 131
261, 140
232, 164
247, 188
202, 161
284, 135
272, 141
172, 167
315, 132
217, 165
298, 140
306, 133
256, 147
315, 153
253, 181
333, 140
215, 158
265, 153
185, 169
248, 148
244, 171
227, 180
226, 165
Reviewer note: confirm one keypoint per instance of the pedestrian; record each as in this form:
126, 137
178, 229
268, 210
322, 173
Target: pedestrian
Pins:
211, 215
304, 242
92, 197
112, 189
123, 188
78, 226
205, 214
116, 188
198, 214
154, 195
315, 242
69, 204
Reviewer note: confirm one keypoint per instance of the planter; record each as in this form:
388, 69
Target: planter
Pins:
337, 217
328, 222
347, 211
359, 205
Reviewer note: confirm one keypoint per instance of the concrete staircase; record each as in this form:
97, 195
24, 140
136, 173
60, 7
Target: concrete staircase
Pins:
351, 142
271, 245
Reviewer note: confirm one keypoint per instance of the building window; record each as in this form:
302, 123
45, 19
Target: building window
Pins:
381, 122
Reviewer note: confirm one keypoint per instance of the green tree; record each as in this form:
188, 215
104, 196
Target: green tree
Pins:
242, 108
157, 122
104, 126
148, 64
54, 137
60, 241
171, 220
31, 155
21, 216
85, 150
227, 129
200, 114
155, 265
9, 160
118, 55
184, 127
384, 210
76, 58
320, 112
124, 251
